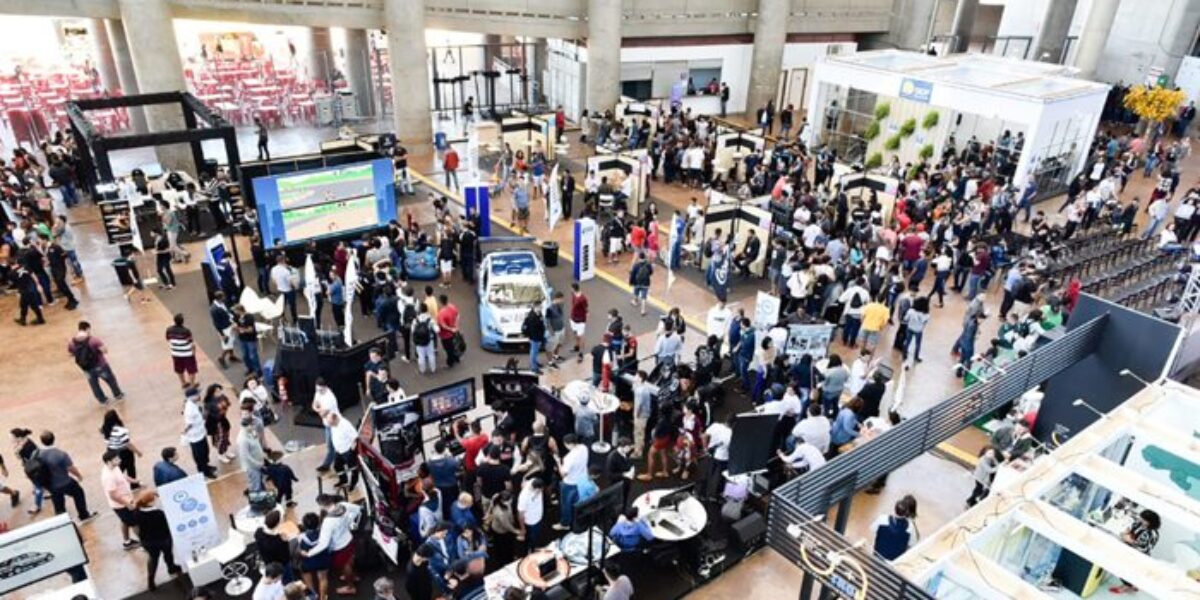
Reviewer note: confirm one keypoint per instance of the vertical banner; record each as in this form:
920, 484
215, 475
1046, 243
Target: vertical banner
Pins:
472, 156
478, 201
585, 249
766, 311
554, 199
311, 286
190, 515
351, 287
675, 247
720, 273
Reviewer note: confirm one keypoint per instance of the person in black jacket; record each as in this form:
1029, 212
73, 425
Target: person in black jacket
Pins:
30, 299
155, 535
568, 193
418, 581
57, 257
222, 320
466, 251
639, 278
271, 545
534, 328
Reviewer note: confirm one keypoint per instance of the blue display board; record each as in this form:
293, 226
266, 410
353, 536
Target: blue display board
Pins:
305, 205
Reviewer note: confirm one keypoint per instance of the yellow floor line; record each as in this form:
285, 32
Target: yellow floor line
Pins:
601, 273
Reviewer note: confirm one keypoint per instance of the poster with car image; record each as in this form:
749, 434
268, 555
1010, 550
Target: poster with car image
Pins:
398, 431
38, 551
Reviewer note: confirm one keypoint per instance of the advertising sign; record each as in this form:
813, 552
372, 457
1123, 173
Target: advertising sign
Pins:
916, 90
37, 551
189, 512
585, 249
478, 203
766, 311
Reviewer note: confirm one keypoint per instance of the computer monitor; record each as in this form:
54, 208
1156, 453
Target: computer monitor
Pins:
560, 419
677, 496
447, 401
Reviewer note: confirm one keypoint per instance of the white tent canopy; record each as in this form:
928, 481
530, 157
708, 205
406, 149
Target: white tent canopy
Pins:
1057, 113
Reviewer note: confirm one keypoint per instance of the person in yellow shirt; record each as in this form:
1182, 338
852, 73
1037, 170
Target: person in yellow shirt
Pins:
874, 319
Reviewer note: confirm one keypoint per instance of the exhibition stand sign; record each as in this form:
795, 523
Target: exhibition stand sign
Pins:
38, 551
189, 512
766, 311
478, 201
812, 340
585, 249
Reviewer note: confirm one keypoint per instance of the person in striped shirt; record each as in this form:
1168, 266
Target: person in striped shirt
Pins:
183, 352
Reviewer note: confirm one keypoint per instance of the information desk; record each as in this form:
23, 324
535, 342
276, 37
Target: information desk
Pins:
672, 524
523, 573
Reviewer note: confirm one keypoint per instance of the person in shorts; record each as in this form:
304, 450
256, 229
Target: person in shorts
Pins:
446, 248
579, 312
118, 490
183, 352
556, 328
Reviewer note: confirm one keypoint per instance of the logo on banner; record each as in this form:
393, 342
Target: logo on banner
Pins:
585, 249
189, 513
916, 90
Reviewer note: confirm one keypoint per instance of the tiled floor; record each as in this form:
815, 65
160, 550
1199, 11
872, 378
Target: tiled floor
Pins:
41, 389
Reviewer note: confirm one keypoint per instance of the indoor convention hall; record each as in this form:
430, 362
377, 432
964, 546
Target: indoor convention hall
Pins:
599, 299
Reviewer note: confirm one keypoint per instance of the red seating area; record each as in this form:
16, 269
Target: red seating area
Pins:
247, 89
34, 103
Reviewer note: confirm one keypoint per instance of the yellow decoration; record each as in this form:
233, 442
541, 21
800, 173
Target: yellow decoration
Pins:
1154, 104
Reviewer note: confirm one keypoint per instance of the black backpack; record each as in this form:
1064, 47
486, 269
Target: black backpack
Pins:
85, 355
35, 469
856, 300
422, 333
409, 314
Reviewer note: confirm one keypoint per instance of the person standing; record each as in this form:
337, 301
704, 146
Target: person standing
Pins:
30, 298
530, 508
260, 129
118, 490
450, 167
574, 471
62, 478
250, 455
897, 532
337, 536
222, 320
556, 326
443, 469
639, 278
344, 437
534, 329
325, 403
716, 441
424, 336
117, 439
284, 280
183, 351
724, 98
57, 258
466, 251
162, 261
447, 325
568, 194
195, 433
64, 236
155, 536
247, 335
165, 471
90, 355
915, 322
579, 315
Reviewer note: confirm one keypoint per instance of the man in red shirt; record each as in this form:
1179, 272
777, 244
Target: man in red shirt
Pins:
911, 245
447, 320
450, 166
579, 312
472, 443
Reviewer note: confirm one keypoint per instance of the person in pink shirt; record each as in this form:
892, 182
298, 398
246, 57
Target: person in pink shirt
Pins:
118, 490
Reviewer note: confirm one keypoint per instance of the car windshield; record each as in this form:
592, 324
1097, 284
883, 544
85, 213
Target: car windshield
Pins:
515, 293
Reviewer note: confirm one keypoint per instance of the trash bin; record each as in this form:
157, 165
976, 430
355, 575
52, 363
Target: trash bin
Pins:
439, 141
124, 271
550, 254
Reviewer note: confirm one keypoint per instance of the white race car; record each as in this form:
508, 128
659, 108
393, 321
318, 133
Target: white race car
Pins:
510, 282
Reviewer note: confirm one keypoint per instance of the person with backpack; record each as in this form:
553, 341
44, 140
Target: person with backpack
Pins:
30, 455
407, 303
424, 334
897, 532
854, 299
534, 328
639, 278
89, 353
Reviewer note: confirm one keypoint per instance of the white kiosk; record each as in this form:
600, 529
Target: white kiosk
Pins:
928, 99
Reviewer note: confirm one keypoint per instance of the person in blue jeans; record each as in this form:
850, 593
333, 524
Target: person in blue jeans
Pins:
574, 471
744, 354
248, 339
534, 328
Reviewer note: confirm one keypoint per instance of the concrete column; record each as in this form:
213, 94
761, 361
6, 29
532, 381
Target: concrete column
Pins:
770, 34
155, 53
1182, 23
320, 54
125, 73
358, 56
541, 58
106, 65
1094, 36
603, 55
408, 60
911, 24
964, 21
1052, 36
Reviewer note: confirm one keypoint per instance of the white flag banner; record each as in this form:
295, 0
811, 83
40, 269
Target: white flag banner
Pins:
134, 231
311, 286
189, 512
351, 286
554, 199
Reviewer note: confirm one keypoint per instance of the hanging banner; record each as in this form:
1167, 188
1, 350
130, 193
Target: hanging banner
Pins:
766, 311
675, 245
189, 512
351, 287
720, 273
478, 201
311, 286
585, 249
554, 199
473, 157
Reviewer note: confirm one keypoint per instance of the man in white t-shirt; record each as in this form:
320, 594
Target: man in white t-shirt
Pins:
324, 402
574, 471
716, 440
283, 280
814, 428
717, 322
803, 458
530, 509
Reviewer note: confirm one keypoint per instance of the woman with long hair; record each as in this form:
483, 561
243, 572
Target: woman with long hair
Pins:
155, 535
314, 569
216, 423
117, 438
24, 447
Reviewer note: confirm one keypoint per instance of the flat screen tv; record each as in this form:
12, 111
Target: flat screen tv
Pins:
398, 430
448, 400
503, 388
304, 205
560, 419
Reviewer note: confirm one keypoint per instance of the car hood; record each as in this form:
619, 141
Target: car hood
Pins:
507, 319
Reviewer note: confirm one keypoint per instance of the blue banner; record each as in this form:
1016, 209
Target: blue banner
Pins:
678, 224
478, 201
916, 90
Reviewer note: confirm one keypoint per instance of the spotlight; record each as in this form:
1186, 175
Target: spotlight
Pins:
1083, 403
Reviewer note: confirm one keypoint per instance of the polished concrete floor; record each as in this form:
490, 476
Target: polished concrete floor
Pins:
42, 389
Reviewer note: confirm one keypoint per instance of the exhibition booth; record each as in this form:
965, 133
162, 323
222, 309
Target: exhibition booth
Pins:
873, 106
626, 172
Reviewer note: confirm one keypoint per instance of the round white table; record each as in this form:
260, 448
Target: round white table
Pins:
603, 403
671, 524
